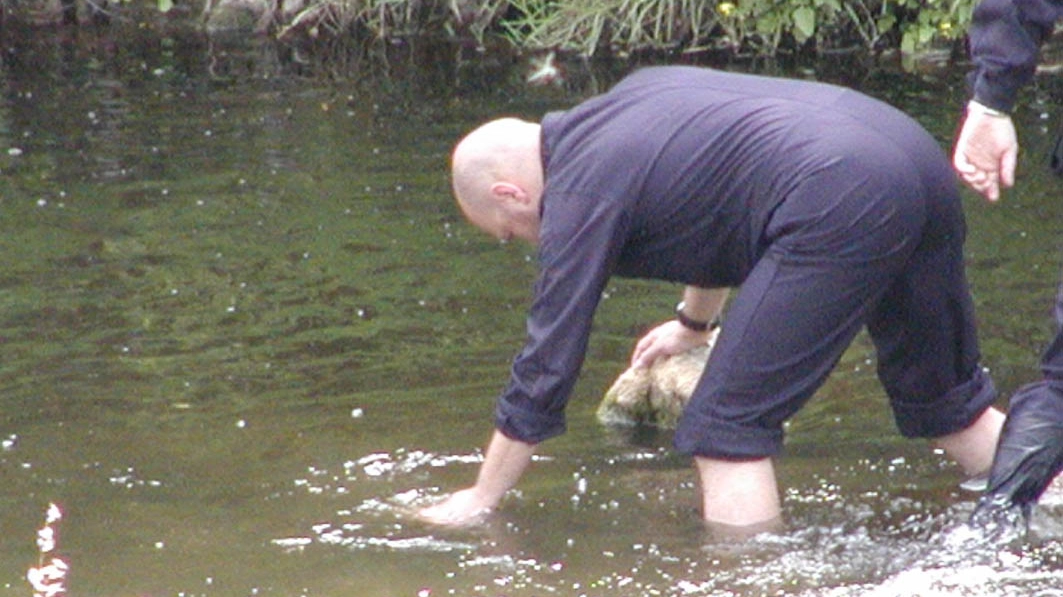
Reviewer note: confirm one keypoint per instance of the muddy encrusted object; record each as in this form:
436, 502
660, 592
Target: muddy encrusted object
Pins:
655, 395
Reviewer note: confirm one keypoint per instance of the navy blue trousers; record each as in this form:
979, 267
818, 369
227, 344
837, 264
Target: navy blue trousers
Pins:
874, 238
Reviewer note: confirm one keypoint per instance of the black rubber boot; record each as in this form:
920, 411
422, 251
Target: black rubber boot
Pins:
1029, 456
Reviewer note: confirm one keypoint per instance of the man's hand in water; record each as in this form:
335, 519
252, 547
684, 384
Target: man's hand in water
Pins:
504, 462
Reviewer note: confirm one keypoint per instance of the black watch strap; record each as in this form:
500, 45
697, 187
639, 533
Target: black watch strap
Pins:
694, 324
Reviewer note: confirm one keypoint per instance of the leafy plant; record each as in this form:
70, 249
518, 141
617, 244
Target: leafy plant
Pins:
934, 19
761, 26
587, 27
625, 25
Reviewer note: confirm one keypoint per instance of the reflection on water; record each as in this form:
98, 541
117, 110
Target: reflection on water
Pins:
246, 333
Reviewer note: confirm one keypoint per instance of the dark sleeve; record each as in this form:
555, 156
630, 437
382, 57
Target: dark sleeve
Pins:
576, 257
1006, 38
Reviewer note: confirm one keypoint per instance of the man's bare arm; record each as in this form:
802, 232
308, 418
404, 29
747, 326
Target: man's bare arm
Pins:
503, 465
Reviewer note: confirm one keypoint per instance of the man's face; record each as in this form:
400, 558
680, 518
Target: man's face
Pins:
526, 228
505, 218
486, 218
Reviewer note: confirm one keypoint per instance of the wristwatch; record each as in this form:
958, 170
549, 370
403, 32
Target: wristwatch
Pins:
694, 324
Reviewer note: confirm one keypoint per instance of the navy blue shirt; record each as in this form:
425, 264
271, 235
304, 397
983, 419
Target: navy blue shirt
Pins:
1006, 38
672, 175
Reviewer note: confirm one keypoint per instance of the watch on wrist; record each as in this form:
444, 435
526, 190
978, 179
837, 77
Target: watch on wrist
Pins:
694, 324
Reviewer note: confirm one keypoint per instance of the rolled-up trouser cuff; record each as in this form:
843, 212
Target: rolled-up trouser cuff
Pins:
950, 413
697, 435
526, 426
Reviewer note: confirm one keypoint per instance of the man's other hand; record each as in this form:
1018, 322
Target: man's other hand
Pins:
986, 151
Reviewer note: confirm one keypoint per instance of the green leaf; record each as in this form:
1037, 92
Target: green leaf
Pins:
926, 34
805, 22
165, 5
908, 41
767, 23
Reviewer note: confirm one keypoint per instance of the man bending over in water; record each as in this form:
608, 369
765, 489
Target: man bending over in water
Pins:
829, 210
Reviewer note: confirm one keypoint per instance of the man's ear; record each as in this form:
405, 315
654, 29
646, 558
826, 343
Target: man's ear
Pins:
509, 192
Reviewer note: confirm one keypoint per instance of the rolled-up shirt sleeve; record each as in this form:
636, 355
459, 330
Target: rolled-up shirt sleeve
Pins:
579, 244
1006, 37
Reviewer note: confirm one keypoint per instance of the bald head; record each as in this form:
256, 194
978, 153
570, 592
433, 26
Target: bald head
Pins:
497, 176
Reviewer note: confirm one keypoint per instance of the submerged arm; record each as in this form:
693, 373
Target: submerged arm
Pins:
503, 465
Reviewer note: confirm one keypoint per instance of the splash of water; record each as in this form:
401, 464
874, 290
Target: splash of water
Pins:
48, 577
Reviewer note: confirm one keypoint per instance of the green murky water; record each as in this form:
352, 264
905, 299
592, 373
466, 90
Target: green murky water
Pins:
244, 331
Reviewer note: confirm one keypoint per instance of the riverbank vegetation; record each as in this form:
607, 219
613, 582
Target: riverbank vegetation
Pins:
741, 26
580, 27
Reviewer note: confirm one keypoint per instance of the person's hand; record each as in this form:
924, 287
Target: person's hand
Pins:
667, 339
460, 508
503, 464
986, 151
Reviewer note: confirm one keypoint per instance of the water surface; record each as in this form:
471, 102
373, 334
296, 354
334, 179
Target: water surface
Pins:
245, 332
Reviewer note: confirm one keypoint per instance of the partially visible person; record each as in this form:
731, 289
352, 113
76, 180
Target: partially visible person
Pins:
827, 209
1005, 39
